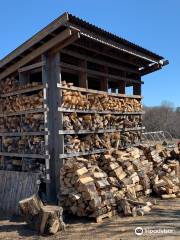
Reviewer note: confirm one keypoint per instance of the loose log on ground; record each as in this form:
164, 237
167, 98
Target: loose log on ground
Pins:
45, 219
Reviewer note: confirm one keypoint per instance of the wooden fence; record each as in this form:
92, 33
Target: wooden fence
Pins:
15, 186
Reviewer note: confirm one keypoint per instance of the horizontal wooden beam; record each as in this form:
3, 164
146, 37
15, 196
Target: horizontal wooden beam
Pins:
150, 69
98, 61
60, 109
21, 91
37, 52
107, 54
30, 67
36, 38
100, 130
37, 110
23, 155
18, 134
97, 73
86, 90
68, 155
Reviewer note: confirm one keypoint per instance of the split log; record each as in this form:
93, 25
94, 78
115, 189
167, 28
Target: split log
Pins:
100, 102
12, 84
22, 102
73, 121
25, 144
45, 219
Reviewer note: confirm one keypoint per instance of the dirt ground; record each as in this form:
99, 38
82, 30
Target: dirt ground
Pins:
161, 223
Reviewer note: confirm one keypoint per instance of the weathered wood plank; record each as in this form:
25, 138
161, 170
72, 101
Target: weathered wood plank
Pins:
26, 90
14, 187
97, 73
30, 67
80, 89
36, 38
37, 52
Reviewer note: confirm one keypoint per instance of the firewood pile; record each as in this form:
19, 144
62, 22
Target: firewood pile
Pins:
12, 84
17, 164
90, 142
122, 180
25, 144
45, 219
33, 123
28, 123
21, 103
99, 102
73, 121
10, 124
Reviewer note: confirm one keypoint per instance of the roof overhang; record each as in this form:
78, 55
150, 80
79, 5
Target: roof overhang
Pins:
149, 61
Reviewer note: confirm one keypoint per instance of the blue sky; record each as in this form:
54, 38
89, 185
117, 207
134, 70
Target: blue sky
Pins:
153, 24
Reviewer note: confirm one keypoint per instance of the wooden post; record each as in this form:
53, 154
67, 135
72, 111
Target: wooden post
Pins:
52, 76
122, 87
23, 78
104, 81
83, 81
137, 88
46, 123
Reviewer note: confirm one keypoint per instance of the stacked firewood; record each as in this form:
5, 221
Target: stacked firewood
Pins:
104, 102
99, 102
75, 99
10, 124
25, 144
33, 123
73, 121
11, 164
17, 164
45, 219
90, 142
28, 123
87, 143
22, 102
9, 85
12, 84
118, 179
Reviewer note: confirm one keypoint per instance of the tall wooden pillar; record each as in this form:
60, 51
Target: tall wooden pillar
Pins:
52, 76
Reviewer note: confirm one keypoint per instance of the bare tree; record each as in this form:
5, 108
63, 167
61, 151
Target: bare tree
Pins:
164, 118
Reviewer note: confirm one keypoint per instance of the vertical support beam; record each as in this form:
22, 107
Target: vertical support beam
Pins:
137, 88
46, 126
104, 81
83, 81
54, 122
23, 78
122, 87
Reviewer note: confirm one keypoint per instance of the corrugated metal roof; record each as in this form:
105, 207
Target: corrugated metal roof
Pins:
57, 23
111, 36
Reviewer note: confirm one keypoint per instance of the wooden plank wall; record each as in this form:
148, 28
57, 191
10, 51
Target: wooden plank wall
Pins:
15, 186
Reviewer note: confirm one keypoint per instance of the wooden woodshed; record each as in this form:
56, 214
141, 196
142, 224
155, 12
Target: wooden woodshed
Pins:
69, 71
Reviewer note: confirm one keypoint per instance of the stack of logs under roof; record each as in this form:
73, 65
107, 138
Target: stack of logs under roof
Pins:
122, 180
